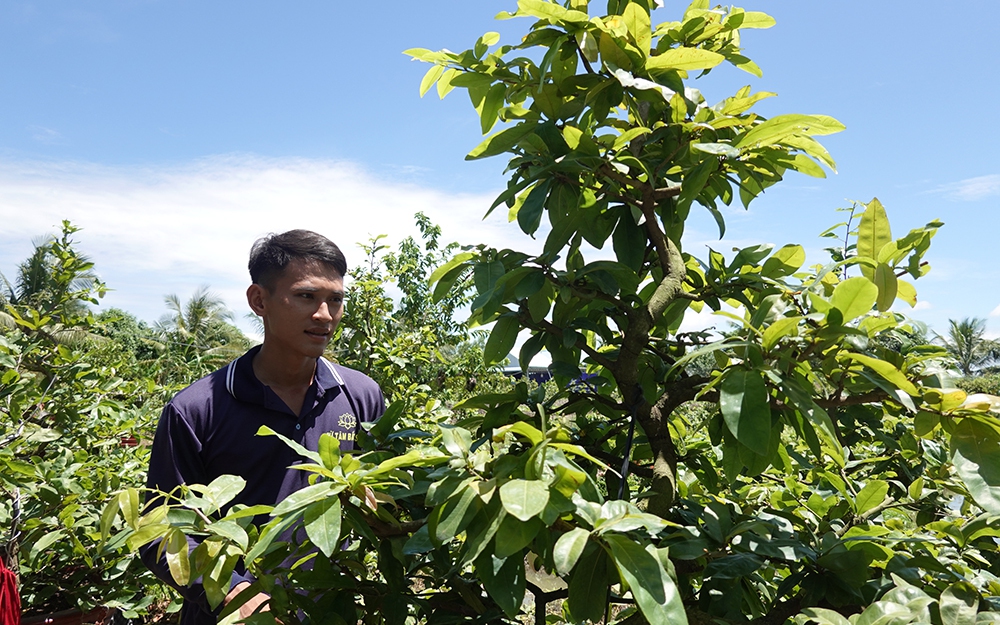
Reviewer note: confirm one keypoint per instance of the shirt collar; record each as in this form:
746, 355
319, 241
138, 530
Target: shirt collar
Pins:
243, 385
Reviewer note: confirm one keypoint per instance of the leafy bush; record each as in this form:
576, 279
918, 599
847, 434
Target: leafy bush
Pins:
988, 383
62, 421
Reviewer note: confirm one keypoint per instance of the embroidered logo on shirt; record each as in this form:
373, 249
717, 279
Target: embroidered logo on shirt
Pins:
347, 421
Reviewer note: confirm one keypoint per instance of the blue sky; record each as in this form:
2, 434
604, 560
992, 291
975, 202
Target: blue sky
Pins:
174, 133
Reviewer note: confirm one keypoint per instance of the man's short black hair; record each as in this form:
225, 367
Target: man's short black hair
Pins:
271, 254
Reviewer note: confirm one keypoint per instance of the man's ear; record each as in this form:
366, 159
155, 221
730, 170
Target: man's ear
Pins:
256, 295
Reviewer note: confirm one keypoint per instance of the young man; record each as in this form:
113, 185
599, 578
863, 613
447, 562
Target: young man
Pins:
209, 429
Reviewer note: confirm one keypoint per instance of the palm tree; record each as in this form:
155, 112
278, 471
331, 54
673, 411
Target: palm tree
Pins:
967, 344
199, 333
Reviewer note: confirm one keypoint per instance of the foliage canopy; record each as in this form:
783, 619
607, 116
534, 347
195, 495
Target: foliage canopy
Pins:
836, 478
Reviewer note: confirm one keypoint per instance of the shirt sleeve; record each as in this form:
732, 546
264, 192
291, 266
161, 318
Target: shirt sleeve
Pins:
175, 459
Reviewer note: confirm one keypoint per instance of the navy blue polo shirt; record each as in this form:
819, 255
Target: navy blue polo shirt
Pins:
209, 429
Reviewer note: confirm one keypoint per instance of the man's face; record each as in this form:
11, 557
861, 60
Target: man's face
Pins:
302, 309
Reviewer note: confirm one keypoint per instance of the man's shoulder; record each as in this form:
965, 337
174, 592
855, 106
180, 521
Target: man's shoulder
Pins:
204, 392
354, 378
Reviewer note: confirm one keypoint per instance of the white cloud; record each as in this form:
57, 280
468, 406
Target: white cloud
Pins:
995, 312
972, 189
923, 305
48, 136
153, 231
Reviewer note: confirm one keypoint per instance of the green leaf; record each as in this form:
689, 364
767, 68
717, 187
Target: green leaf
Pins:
745, 406
650, 583
776, 129
449, 520
175, 545
873, 234
299, 449
529, 216
128, 503
885, 280
871, 495
906, 292
887, 371
524, 499
456, 261
491, 106
824, 616
533, 434
43, 543
637, 22
322, 523
782, 327
854, 297
480, 532
502, 141
431, 77
501, 340
222, 490
504, 579
975, 449
551, 11
959, 604
329, 450
684, 59
757, 19
230, 530
588, 585
513, 535
568, 549
306, 496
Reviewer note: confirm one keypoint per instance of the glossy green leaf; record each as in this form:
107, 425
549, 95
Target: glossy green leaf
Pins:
873, 234
514, 535
651, 585
299, 449
449, 520
959, 604
854, 297
785, 326
431, 77
524, 498
504, 580
975, 449
231, 530
776, 129
588, 586
175, 545
824, 616
871, 495
322, 523
684, 59
309, 494
44, 543
906, 292
329, 450
889, 372
222, 490
745, 406
551, 11
529, 216
502, 339
568, 549
500, 142
638, 25
885, 280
